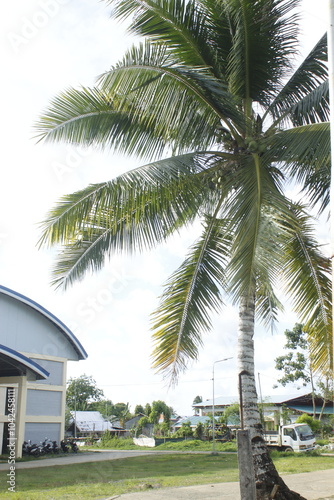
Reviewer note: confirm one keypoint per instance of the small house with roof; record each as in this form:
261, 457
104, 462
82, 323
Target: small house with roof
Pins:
92, 424
35, 347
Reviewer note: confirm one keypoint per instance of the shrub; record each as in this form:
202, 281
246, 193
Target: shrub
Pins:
312, 422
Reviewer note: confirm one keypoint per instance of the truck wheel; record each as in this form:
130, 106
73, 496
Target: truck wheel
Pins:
288, 448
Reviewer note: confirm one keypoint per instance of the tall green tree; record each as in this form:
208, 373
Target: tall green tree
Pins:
297, 365
209, 100
82, 391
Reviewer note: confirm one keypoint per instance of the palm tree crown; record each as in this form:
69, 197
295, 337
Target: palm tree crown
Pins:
210, 99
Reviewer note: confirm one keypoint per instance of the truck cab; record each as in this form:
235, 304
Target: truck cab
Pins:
297, 437
293, 437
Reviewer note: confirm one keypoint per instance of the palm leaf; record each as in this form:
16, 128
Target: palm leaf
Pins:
87, 117
178, 23
307, 80
305, 155
256, 198
191, 292
136, 210
264, 38
171, 94
307, 273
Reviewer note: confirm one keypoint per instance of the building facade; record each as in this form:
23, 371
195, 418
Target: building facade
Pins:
35, 347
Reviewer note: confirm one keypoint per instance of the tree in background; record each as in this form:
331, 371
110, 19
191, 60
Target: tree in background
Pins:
122, 412
199, 431
139, 409
231, 415
310, 421
197, 399
185, 430
212, 85
82, 391
159, 408
105, 407
326, 388
147, 409
298, 366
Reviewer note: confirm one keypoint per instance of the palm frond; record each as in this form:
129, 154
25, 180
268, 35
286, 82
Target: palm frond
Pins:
171, 93
257, 197
313, 108
307, 272
86, 253
308, 80
268, 266
305, 156
180, 24
264, 38
87, 117
136, 210
191, 292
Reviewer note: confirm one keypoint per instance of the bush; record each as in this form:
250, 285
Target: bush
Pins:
117, 443
198, 445
322, 442
312, 422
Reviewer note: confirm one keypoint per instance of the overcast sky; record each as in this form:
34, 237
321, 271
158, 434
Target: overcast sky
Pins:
49, 45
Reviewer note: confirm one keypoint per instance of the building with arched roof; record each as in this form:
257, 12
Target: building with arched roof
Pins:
35, 347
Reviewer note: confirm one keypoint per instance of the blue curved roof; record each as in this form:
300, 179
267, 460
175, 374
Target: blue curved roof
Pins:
13, 359
51, 317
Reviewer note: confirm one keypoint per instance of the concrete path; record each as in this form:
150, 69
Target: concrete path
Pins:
317, 485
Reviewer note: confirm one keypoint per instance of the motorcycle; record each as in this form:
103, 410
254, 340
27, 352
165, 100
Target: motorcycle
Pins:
31, 449
74, 446
55, 447
46, 445
69, 444
50, 446
64, 446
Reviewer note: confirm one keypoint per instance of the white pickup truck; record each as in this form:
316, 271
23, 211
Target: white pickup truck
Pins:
293, 437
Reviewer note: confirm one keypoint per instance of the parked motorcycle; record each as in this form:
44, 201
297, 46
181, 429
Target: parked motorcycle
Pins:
50, 446
64, 446
47, 446
55, 447
31, 449
74, 446
69, 444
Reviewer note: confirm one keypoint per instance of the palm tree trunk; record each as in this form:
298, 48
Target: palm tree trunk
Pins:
267, 479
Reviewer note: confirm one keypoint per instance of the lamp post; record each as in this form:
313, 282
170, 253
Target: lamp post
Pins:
213, 404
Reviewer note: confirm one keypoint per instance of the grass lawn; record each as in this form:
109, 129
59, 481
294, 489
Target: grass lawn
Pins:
95, 480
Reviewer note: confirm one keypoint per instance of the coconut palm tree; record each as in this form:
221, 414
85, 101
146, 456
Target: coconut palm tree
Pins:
211, 104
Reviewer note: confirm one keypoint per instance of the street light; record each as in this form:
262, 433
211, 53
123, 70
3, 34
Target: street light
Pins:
213, 404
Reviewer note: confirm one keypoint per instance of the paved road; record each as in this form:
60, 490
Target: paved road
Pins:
88, 456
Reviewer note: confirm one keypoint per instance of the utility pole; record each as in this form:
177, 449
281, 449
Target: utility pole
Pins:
213, 404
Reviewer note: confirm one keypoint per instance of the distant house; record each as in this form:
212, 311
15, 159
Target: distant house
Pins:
273, 407
35, 347
194, 420
92, 424
130, 424
220, 404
